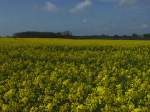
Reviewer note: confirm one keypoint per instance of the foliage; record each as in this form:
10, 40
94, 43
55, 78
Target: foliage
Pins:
39, 75
34, 34
68, 34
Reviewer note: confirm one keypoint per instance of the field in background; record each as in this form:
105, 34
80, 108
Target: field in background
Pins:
73, 42
74, 75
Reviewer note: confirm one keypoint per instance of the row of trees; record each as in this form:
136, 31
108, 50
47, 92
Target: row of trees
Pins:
30, 34
68, 34
118, 37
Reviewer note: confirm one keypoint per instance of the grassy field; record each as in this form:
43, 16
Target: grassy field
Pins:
66, 75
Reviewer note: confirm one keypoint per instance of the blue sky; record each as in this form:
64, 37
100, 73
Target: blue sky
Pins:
82, 17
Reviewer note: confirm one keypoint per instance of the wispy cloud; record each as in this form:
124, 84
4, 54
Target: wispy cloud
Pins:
46, 6
144, 26
84, 20
140, 26
108, 1
50, 7
81, 6
121, 2
127, 2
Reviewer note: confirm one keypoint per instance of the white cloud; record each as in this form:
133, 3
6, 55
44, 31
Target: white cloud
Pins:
81, 6
144, 26
121, 2
108, 0
127, 2
84, 21
50, 7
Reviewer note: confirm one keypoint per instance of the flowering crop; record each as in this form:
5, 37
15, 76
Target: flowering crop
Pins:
50, 75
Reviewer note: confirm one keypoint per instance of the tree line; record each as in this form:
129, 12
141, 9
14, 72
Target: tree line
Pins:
30, 34
118, 37
68, 34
